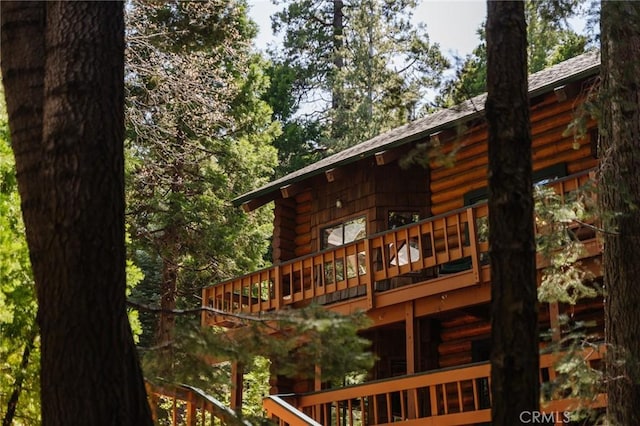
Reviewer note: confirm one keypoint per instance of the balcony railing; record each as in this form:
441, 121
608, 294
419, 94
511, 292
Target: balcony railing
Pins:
189, 406
432, 249
452, 396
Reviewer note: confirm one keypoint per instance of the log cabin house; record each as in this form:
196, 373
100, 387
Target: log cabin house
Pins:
366, 229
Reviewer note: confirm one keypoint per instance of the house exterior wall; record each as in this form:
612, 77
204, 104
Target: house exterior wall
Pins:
359, 189
552, 145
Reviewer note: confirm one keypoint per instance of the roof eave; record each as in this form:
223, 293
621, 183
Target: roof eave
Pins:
279, 183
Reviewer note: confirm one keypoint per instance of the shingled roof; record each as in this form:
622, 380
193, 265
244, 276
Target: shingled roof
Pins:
541, 82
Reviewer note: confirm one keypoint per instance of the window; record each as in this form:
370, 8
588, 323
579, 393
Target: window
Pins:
397, 219
344, 233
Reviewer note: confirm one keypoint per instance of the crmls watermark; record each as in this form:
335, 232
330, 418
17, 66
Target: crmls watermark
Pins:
540, 418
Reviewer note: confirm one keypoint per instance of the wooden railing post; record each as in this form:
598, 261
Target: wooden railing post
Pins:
277, 283
370, 273
473, 242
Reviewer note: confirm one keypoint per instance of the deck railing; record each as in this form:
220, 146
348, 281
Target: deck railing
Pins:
426, 250
189, 406
450, 396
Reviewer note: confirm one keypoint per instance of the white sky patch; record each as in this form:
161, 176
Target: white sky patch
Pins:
453, 24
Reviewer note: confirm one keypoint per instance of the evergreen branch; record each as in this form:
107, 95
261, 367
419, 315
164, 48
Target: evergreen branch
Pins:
199, 310
265, 320
595, 228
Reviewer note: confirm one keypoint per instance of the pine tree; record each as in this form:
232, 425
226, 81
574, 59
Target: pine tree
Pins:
362, 67
198, 135
515, 386
550, 41
68, 147
619, 199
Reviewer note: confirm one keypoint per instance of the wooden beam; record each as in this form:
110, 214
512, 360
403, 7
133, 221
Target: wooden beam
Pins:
334, 174
387, 156
409, 324
254, 203
436, 138
236, 386
291, 190
566, 91
317, 383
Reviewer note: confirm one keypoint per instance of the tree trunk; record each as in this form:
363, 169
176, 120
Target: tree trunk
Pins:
67, 127
12, 405
619, 200
168, 294
337, 97
514, 314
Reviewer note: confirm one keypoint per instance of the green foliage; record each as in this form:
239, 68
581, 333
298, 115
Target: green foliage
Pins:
298, 145
295, 341
550, 41
134, 277
256, 386
18, 305
361, 67
199, 135
576, 378
316, 336
558, 218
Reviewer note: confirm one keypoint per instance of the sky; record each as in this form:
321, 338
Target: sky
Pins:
450, 23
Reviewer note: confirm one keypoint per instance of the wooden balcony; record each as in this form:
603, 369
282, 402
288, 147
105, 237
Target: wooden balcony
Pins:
438, 254
457, 396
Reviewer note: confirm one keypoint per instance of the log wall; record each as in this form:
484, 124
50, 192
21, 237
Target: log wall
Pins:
551, 145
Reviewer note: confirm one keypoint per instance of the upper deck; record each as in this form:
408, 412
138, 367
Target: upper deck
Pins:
435, 256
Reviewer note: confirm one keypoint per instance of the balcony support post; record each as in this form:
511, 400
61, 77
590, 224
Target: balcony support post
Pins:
317, 383
236, 386
410, 321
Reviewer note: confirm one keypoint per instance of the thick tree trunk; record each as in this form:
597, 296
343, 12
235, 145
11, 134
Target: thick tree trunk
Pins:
68, 142
514, 314
23, 78
619, 200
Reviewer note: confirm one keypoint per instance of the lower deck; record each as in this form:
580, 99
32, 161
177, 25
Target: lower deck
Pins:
453, 396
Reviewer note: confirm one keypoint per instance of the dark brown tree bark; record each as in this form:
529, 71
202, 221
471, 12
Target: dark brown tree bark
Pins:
514, 313
63, 70
619, 199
